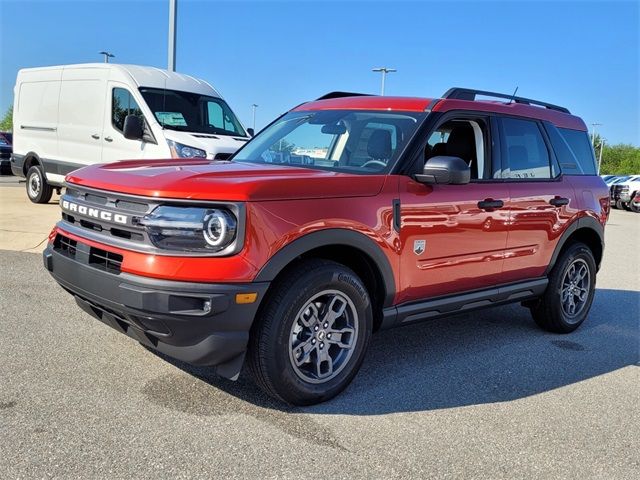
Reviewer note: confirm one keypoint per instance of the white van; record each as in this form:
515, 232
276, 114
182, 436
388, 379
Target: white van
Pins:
69, 116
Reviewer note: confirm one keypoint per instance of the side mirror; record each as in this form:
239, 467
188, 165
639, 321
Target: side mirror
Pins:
445, 170
250, 132
133, 127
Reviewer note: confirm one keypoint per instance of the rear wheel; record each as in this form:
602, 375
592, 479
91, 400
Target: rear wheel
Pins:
568, 297
38, 190
312, 334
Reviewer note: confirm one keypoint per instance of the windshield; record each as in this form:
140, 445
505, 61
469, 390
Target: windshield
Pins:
337, 140
192, 112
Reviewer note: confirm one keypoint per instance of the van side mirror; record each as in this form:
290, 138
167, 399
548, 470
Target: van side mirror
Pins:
445, 170
133, 127
250, 132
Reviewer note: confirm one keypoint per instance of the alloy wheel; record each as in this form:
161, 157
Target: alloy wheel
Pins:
323, 336
575, 288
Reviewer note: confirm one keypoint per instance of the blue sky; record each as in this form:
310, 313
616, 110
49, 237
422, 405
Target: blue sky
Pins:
583, 55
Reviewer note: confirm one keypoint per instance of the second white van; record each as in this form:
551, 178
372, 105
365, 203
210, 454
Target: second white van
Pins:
66, 117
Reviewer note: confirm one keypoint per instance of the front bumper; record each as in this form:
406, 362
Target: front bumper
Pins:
197, 323
17, 164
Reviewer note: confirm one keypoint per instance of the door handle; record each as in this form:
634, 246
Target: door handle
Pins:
95, 136
490, 204
108, 139
559, 201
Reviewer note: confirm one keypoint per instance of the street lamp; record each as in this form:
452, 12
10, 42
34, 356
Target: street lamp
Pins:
107, 56
173, 28
253, 108
593, 133
384, 71
602, 140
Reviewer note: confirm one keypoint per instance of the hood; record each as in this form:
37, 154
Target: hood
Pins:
208, 142
231, 181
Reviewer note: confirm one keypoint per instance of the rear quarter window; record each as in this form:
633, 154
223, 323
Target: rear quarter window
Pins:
574, 151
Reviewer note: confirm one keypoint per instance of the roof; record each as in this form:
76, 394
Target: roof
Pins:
417, 104
368, 102
146, 76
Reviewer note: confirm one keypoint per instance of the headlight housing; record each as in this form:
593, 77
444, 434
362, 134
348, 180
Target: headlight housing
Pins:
191, 229
178, 150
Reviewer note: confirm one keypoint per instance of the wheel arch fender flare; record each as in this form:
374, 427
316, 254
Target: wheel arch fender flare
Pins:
585, 223
332, 237
31, 159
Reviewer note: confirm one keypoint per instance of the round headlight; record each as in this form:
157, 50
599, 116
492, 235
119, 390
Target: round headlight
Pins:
218, 227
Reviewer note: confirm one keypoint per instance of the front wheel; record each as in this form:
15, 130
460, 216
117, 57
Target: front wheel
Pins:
568, 297
38, 190
312, 334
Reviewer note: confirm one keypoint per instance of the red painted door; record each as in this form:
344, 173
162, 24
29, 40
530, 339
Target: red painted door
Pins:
535, 225
448, 244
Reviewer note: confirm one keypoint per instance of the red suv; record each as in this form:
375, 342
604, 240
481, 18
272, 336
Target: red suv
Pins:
346, 215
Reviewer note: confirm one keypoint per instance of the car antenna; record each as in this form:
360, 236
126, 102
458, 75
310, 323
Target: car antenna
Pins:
513, 96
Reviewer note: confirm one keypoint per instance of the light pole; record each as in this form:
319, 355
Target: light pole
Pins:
107, 56
384, 71
253, 108
593, 133
602, 140
173, 19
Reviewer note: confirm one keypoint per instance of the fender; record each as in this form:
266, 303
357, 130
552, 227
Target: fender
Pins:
589, 223
324, 238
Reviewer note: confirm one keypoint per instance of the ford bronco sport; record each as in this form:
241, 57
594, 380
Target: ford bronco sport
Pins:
347, 215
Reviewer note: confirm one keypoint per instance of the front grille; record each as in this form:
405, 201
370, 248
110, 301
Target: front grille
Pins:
65, 245
97, 211
104, 260
95, 257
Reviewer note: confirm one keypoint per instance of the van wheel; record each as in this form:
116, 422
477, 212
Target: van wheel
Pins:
312, 334
568, 297
38, 190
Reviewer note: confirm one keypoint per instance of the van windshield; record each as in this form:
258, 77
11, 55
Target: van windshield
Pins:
192, 112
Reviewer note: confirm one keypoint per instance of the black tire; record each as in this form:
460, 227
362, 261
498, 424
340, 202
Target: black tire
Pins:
38, 190
620, 205
550, 312
271, 356
635, 208
626, 206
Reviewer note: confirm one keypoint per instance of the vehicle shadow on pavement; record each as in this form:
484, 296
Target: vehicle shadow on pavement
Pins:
495, 355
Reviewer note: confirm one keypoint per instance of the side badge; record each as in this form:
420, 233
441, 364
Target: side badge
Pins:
419, 246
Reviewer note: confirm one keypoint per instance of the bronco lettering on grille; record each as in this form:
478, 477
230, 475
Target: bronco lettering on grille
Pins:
94, 212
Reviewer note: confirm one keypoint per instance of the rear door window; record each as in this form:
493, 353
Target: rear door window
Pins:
524, 150
584, 159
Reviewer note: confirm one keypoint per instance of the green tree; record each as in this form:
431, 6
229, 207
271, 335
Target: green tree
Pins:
622, 159
6, 125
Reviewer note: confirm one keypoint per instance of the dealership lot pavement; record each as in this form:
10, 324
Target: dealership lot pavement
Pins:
486, 395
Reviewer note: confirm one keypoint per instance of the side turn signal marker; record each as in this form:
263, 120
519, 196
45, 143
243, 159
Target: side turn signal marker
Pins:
246, 297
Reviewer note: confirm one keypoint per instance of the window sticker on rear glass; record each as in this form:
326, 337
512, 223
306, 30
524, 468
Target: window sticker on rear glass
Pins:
175, 119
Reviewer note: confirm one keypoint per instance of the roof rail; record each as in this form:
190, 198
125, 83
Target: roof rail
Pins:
470, 94
342, 94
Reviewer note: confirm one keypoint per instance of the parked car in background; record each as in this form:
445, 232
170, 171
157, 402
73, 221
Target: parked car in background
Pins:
628, 191
622, 191
614, 192
6, 141
612, 179
388, 211
635, 203
71, 116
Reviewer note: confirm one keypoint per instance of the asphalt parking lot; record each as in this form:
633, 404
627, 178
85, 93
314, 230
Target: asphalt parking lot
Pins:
486, 395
